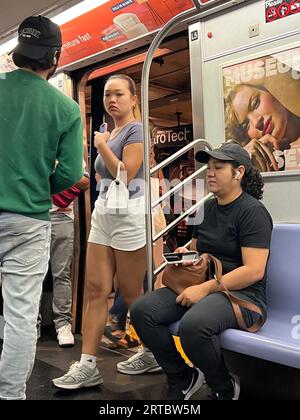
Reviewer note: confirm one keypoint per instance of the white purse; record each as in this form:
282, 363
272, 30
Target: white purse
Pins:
117, 196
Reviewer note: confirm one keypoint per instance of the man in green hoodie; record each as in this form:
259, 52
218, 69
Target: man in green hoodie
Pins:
39, 126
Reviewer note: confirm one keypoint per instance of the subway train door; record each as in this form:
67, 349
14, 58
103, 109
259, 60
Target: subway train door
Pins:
170, 106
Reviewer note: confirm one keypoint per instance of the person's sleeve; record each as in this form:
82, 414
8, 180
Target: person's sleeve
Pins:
134, 135
255, 228
69, 154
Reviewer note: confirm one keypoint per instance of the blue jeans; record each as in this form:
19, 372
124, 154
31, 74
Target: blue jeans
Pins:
24, 256
119, 309
61, 255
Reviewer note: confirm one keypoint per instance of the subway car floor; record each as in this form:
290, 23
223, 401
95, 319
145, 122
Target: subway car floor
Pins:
52, 361
260, 380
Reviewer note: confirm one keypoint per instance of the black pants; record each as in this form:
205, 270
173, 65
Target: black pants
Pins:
199, 331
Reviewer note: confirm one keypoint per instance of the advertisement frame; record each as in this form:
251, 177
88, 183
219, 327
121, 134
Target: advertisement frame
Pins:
244, 60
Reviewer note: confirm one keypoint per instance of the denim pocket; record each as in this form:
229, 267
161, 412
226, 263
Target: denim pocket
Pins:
32, 245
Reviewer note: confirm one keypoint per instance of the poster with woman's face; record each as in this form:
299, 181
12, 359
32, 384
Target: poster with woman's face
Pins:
6, 64
262, 109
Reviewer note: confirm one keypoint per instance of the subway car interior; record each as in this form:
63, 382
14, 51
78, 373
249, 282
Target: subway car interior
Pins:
212, 46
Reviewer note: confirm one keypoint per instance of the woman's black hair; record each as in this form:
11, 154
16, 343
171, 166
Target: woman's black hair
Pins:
129, 80
252, 181
43, 63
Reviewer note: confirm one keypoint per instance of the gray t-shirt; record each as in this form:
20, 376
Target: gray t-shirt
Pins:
131, 133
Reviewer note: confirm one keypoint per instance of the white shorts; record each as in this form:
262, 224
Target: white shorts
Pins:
125, 232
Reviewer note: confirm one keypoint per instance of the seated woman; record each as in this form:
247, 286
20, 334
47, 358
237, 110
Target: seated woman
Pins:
236, 229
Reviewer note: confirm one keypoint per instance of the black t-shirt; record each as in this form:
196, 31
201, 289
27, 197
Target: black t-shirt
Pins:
244, 222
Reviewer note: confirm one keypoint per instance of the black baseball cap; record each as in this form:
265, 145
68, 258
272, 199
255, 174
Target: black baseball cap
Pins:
36, 36
227, 152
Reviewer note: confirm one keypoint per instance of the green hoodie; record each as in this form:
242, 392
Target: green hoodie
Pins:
38, 125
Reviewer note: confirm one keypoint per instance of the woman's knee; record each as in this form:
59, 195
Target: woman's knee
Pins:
139, 310
96, 291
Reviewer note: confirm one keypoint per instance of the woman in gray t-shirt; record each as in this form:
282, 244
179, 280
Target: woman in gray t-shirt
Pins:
116, 244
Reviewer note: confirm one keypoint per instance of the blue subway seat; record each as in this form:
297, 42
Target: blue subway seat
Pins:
279, 339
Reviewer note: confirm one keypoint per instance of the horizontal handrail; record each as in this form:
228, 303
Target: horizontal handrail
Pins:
178, 186
181, 217
180, 152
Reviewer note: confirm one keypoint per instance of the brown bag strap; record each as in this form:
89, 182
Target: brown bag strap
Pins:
217, 265
236, 302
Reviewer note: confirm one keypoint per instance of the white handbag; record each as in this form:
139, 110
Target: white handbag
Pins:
117, 196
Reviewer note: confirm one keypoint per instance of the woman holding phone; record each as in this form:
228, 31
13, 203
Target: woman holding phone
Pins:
236, 229
116, 245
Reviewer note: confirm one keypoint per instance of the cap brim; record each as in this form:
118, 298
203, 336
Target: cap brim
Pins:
31, 51
203, 156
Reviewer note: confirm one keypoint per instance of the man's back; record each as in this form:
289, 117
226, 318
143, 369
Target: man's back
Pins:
38, 124
40, 155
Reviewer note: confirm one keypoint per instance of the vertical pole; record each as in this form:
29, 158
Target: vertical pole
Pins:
145, 118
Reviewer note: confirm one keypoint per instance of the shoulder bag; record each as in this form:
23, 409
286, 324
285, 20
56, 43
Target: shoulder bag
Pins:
117, 195
178, 278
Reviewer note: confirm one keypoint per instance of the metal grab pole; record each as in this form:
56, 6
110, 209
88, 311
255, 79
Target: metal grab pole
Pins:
182, 216
180, 152
145, 119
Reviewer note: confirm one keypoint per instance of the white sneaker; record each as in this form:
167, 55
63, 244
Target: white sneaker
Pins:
141, 362
64, 336
79, 375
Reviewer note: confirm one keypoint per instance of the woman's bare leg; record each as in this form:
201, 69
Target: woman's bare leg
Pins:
101, 269
131, 270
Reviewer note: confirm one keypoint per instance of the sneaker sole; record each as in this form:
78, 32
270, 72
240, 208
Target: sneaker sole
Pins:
157, 369
237, 387
139, 372
237, 391
200, 381
77, 386
66, 345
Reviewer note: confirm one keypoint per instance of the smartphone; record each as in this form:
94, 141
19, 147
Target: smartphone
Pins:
103, 128
178, 258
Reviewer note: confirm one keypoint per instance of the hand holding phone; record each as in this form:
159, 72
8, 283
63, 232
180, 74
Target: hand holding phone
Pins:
103, 128
179, 258
98, 139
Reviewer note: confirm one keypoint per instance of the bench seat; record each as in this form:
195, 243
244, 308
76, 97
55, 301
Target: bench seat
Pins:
279, 339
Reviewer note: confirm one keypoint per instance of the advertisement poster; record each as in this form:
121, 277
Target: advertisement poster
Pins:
114, 23
6, 63
173, 136
262, 109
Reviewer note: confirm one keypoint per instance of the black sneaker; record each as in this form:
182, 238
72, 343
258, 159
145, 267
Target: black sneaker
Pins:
183, 388
232, 394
